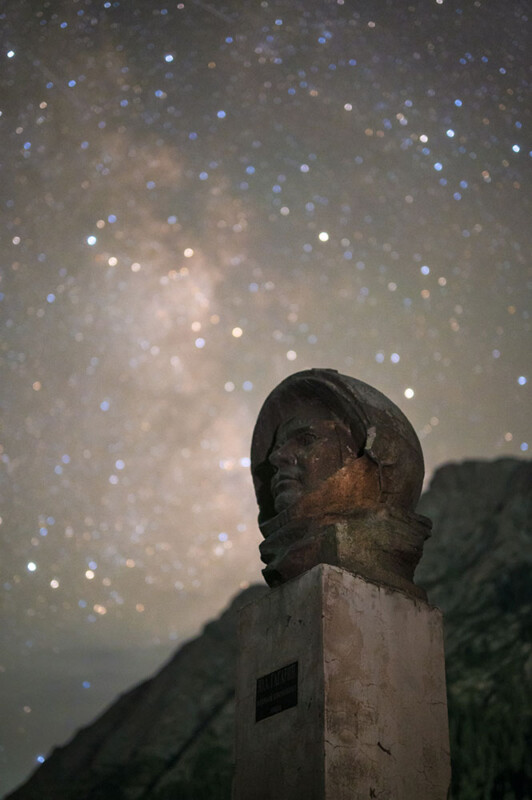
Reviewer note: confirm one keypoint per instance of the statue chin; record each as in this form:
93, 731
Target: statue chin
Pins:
287, 497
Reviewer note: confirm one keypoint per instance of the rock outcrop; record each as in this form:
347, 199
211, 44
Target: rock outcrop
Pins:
477, 568
171, 736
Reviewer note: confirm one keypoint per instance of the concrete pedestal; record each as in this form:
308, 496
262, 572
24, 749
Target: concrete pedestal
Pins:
362, 715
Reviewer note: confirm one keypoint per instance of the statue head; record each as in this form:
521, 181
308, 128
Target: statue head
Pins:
318, 424
329, 448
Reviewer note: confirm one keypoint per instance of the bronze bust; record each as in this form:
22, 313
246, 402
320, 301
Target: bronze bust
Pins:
338, 471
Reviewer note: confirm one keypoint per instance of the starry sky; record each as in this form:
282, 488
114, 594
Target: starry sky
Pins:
199, 199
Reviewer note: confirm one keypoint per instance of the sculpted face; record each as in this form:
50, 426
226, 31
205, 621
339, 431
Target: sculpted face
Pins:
308, 449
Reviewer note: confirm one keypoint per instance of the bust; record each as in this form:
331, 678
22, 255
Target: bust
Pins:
338, 471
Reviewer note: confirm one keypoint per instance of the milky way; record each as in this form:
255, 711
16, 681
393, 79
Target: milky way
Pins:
200, 199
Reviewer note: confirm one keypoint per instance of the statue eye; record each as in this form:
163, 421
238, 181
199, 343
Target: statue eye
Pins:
306, 438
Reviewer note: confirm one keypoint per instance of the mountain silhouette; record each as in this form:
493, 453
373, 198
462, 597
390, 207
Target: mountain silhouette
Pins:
171, 737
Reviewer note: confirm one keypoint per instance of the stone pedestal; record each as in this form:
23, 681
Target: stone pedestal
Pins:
340, 693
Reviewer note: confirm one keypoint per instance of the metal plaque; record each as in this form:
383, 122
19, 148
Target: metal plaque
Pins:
276, 692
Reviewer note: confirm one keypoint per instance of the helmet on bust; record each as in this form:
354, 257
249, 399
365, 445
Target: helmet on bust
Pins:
379, 429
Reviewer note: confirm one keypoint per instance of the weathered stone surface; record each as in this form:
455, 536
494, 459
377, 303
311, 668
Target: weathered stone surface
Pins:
476, 568
371, 716
333, 462
274, 635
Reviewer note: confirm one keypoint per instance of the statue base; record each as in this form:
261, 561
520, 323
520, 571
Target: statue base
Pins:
340, 693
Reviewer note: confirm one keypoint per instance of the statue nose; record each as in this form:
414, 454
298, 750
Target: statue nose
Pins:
283, 455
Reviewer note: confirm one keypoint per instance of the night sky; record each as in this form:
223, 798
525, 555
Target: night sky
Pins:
198, 200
